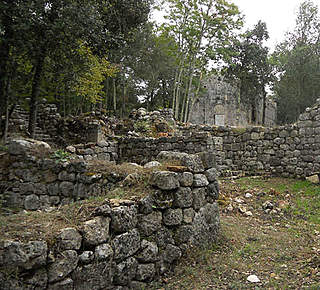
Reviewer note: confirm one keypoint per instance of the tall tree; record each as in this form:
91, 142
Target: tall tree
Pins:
251, 67
297, 61
203, 30
43, 29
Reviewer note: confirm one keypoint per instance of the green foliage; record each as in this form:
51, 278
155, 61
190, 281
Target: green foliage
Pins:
61, 156
251, 67
297, 61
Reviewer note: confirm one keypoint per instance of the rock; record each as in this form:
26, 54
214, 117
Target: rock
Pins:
66, 262
239, 200
145, 272
69, 239
248, 213
188, 215
146, 204
163, 237
213, 190
313, 178
200, 180
185, 179
267, 205
103, 252
149, 252
32, 202
152, 164
148, 224
212, 174
172, 217
165, 180
171, 253
86, 257
28, 256
184, 234
183, 197
199, 197
38, 279
71, 149
208, 159
63, 285
103, 210
206, 225
125, 271
192, 162
126, 245
253, 279
96, 231
124, 218
93, 276
25, 146
248, 195
66, 188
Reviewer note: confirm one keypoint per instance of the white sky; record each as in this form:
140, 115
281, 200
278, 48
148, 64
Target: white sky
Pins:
279, 15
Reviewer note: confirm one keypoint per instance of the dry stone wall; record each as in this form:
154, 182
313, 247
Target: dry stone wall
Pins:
127, 245
142, 150
291, 150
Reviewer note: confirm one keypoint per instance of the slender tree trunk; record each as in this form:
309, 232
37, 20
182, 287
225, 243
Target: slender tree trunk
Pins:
35, 94
264, 106
114, 95
6, 122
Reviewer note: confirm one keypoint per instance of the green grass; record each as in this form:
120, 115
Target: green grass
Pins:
281, 249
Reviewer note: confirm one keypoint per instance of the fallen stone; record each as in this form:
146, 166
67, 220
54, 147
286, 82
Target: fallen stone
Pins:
313, 178
253, 279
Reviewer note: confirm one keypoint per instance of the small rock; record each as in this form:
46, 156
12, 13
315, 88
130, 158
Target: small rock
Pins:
313, 178
152, 164
239, 200
248, 213
267, 205
253, 279
248, 195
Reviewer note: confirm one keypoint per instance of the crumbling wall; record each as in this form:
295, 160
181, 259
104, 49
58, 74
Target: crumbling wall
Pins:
128, 244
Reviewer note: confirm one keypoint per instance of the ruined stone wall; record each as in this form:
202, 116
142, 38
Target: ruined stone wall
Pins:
142, 150
290, 150
128, 244
220, 105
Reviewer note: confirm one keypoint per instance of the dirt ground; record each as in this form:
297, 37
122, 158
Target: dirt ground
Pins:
270, 228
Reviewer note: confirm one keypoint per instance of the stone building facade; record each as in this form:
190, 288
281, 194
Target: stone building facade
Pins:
220, 105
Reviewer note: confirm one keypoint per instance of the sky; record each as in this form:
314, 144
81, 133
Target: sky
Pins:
279, 15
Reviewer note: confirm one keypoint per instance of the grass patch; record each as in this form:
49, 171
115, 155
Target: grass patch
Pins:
282, 250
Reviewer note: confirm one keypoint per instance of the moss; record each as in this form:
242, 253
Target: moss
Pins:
238, 130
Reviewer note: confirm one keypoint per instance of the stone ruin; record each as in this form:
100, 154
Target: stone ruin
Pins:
220, 105
126, 243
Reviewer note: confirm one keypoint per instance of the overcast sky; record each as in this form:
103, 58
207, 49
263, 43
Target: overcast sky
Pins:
279, 15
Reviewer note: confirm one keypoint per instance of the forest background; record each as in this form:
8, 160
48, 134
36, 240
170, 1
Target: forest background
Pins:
107, 55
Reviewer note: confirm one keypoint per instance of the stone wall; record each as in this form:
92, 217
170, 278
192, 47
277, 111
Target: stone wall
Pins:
142, 150
127, 245
220, 105
34, 183
291, 150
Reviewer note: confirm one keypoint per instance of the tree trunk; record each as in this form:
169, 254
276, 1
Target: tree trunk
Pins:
114, 96
6, 105
264, 109
35, 94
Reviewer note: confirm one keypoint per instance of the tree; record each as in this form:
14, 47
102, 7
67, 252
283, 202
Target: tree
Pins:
40, 30
202, 30
297, 61
251, 68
